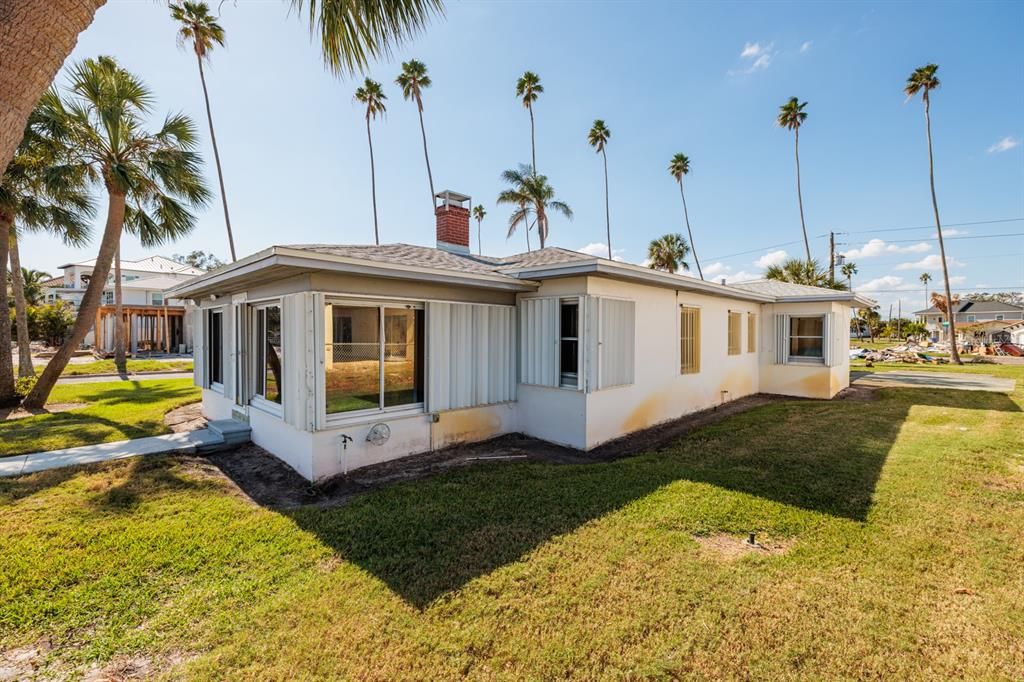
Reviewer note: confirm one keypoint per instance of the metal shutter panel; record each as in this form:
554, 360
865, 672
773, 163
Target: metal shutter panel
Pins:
538, 334
199, 347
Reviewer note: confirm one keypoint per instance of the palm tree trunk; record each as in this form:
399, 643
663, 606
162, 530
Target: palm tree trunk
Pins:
954, 356
216, 159
686, 215
423, 131
533, 144
25, 368
542, 228
36, 36
799, 194
607, 212
479, 238
87, 310
373, 183
120, 361
7, 395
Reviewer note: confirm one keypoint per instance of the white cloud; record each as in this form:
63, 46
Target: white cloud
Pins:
806, 47
771, 258
957, 279
601, 249
950, 232
887, 283
930, 262
1004, 145
878, 247
743, 276
715, 269
760, 57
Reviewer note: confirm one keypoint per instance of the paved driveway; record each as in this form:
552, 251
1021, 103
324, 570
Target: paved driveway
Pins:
944, 380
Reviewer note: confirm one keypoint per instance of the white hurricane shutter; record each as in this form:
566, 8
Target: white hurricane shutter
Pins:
612, 342
227, 340
199, 347
538, 347
781, 339
826, 342
469, 355
297, 360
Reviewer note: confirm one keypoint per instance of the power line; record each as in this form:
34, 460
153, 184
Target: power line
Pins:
935, 239
980, 290
930, 227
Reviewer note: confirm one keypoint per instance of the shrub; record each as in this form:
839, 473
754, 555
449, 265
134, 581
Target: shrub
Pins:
24, 385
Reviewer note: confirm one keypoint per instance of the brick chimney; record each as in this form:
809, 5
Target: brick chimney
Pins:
452, 212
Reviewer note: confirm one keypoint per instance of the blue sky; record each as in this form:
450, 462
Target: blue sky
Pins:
704, 79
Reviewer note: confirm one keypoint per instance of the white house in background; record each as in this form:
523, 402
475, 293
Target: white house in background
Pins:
153, 323
967, 312
343, 356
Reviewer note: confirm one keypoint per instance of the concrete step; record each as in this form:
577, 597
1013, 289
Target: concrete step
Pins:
231, 432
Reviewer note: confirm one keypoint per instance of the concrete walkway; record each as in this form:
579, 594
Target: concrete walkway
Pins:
221, 434
937, 380
149, 376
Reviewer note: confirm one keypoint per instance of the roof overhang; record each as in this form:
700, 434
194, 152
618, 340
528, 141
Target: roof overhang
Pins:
279, 262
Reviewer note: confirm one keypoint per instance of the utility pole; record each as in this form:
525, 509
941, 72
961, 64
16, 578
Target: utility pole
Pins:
832, 257
899, 319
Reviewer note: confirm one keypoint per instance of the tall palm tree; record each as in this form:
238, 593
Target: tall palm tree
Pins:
32, 281
41, 189
152, 180
200, 29
678, 167
792, 116
806, 272
528, 87
924, 279
478, 214
532, 193
598, 139
37, 39
413, 80
924, 80
668, 252
849, 269
372, 96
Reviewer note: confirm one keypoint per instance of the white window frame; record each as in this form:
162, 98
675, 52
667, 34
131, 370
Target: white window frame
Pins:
562, 383
354, 416
217, 386
972, 318
803, 359
153, 298
1000, 317
257, 370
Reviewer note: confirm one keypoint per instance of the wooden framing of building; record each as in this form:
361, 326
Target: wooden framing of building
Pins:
148, 327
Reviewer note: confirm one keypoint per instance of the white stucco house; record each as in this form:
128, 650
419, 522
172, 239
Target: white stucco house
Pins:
152, 321
343, 356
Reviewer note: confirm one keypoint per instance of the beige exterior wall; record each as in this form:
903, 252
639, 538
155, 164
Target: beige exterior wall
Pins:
806, 380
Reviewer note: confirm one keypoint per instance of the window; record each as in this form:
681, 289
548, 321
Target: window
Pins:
569, 343
972, 318
269, 355
735, 342
1000, 317
751, 332
108, 298
689, 340
374, 357
158, 299
215, 346
807, 338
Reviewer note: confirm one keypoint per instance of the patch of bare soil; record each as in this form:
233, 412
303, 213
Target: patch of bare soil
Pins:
51, 408
730, 547
186, 418
268, 481
21, 663
34, 662
864, 393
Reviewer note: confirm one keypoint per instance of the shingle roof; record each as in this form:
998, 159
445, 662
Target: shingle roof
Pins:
53, 282
154, 264
975, 307
779, 289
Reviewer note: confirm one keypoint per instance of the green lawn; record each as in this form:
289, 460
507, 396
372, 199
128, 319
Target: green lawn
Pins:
115, 411
902, 517
107, 367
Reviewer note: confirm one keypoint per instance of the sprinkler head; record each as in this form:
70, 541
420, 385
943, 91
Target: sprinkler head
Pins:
752, 539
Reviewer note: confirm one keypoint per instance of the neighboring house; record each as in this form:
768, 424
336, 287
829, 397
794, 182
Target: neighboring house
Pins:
152, 322
343, 356
967, 312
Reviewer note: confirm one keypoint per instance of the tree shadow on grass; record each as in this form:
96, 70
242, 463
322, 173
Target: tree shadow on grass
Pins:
427, 538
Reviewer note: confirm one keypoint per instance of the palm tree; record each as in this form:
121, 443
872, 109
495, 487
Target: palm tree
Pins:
478, 214
792, 116
668, 252
806, 272
37, 39
678, 167
39, 190
372, 95
200, 28
527, 88
32, 282
531, 193
152, 180
924, 80
413, 80
849, 269
598, 139
924, 279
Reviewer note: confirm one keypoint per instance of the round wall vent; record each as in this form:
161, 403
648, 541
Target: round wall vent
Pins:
379, 434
